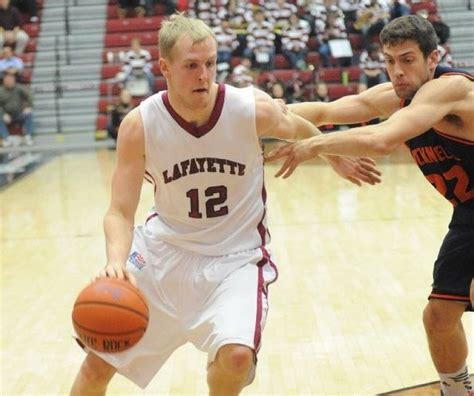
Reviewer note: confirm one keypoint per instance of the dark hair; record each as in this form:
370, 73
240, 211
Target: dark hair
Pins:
410, 27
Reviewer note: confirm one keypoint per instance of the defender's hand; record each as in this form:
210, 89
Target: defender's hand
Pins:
356, 170
294, 153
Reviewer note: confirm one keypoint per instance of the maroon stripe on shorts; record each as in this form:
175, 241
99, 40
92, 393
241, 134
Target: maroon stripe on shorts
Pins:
258, 321
150, 217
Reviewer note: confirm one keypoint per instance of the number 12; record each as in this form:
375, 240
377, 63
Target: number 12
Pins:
217, 196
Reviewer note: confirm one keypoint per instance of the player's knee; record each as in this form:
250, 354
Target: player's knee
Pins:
236, 359
436, 320
95, 371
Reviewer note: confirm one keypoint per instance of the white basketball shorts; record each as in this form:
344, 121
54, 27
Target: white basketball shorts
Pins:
210, 301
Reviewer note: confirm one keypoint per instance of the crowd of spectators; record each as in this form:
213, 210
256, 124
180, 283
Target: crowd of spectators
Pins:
15, 98
251, 34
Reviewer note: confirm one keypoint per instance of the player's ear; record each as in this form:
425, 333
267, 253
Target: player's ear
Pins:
433, 59
164, 66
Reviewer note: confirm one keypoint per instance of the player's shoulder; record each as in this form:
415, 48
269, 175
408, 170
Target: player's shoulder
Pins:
455, 80
131, 127
265, 105
382, 98
447, 87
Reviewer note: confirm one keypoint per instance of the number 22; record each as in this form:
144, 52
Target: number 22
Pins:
461, 190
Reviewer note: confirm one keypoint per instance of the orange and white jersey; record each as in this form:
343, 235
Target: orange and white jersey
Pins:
209, 186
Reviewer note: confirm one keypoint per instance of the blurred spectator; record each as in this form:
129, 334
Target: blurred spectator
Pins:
10, 27
334, 29
10, 64
315, 11
371, 20
277, 91
261, 42
226, 41
295, 90
240, 13
321, 92
117, 111
28, 7
372, 68
125, 5
242, 75
294, 40
350, 9
278, 12
202, 10
398, 8
442, 30
445, 58
150, 6
137, 65
15, 107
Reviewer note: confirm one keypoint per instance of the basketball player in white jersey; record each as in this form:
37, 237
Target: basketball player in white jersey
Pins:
201, 257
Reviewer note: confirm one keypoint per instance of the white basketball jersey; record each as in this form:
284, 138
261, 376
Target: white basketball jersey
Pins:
209, 188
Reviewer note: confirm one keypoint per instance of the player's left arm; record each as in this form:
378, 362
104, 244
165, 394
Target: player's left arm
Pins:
273, 120
433, 101
276, 122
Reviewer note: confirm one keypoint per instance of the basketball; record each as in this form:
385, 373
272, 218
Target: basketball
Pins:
110, 315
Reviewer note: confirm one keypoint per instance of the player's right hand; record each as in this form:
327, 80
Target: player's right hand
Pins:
116, 271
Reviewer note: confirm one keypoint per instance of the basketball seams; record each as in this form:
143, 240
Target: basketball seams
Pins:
77, 304
129, 287
103, 333
137, 292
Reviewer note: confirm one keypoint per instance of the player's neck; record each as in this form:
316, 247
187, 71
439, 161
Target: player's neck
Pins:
197, 117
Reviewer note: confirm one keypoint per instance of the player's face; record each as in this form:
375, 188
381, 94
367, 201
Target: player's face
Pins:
191, 72
407, 68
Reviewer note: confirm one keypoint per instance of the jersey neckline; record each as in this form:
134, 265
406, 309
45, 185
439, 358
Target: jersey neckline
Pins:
198, 131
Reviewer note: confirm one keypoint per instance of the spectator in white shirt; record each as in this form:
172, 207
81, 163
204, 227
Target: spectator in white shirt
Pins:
294, 40
138, 61
261, 42
227, 41
10, 63
372, 68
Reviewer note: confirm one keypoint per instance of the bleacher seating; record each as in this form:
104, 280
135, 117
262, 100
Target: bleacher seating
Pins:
119, 32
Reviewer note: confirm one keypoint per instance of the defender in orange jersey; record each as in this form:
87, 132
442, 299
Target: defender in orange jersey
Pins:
431, 110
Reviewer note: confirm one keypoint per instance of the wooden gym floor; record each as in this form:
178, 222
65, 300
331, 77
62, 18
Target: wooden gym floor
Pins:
345, 319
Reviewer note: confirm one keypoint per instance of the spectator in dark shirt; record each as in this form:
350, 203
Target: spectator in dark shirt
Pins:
15, 106
10, 27
125, 5
117, 111
28, 7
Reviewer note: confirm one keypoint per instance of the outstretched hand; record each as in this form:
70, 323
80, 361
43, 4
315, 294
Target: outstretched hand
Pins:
356, 170
293, 152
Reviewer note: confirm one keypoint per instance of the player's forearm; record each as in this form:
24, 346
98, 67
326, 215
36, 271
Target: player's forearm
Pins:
118, 236
303, 129
358, 142
311, 111
346, 110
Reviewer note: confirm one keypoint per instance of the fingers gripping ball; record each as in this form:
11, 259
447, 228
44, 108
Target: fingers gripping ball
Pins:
110, 315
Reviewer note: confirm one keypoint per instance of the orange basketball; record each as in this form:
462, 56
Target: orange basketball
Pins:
110, 315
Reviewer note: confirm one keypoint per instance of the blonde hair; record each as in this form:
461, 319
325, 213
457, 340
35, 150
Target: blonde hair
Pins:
177, 25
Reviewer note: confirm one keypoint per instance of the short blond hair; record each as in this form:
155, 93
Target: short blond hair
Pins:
177, 25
